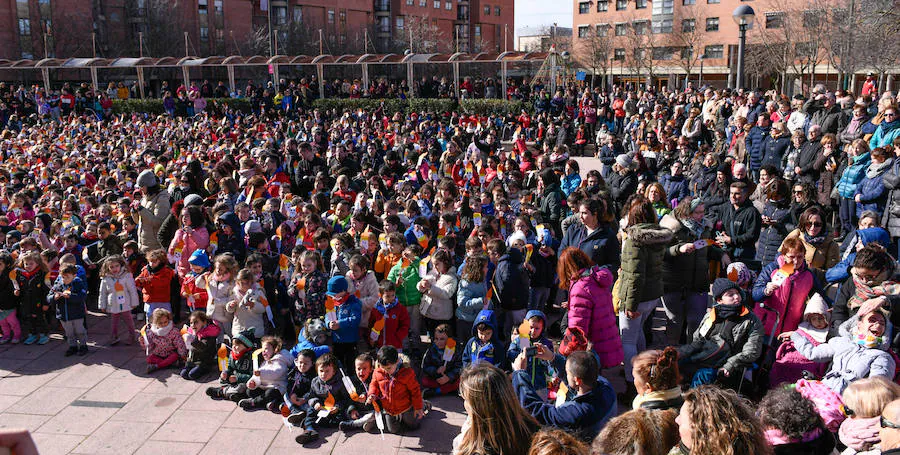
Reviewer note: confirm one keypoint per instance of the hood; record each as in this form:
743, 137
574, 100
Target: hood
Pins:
536, 313
649, 234
669, 222
485, 317
210, 331
231, 219
816, 305
599, 274
875, 234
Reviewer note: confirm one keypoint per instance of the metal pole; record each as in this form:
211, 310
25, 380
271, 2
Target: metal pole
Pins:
321, 72
140, 75
740, 63
186, 44
700, 81
321, 44
269, 28
231, 84
45, 72
456, 78
94, 78
504, 72
410, 79
365, 76
505, 31
141, 44
94, 43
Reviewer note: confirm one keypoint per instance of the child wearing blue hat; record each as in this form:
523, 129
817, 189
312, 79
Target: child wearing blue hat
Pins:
194, 294
342, 313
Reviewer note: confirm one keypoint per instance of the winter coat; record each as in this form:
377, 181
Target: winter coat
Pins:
676, 186
469, 300
298, 384
660, 400
756, 139
367, 290
642, 258
477, 351
684, 271
164, 346
510, 282
591, 310
891, 218
220, 243
743, 225
149, 217
399, 392
319, 391
239, 367
434, 359
406, 291
437, 303
246, 318
622, 186
184, 244
841, 271
303, 342
118, 294
584, 416
159, 285
871, 190
537, 369
8, 299
197, 297
849, 360
396, 324
570, 183
828, 119
33, 289
771, 235
841, 310
551, 207
601, 246
774, 148
273, 372
309, 298
807, 161
885, 134
789, 299
743, 343
853, 174
348, 314
819, 257
219, 293
203, 348
69, 308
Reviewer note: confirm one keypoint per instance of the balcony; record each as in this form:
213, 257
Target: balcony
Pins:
382, 6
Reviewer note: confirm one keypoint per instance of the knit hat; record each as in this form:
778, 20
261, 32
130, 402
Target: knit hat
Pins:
741, 274
816, 305
624, 160
246, 338
199, 258
252, 226
193, 199
573, 340
336, 285
147, 179
721, 286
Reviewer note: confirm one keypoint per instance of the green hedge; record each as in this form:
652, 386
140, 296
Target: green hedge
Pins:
155, 106
486, 107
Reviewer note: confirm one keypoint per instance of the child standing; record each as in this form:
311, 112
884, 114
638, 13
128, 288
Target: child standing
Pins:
327, 393
536, 369
200, 341
162, 341
9, 303
298, 384
267, 386
233, 381
395, 320
363, 282
344, 324
438, 289
69, 293
219, 287
158, 283
406, 276
308, 287
248, 305
195, 296
470, 299
394, 386
118, 296
485, 345
33, 289
440, 376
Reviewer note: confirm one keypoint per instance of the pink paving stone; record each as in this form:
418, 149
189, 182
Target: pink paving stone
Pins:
7, 400
260, 420
77, 420
134, 367
170, 448
149, 407
30, 352
362, 442
119, 390
117, 438
175, 385
46, 401
30, 422
190, 426
285, 442
199, 401
238, 441
22, 384
86, 376
53, 444
8, 365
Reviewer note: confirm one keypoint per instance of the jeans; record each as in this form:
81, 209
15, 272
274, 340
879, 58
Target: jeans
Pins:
537, 298
194, 372
683, 309
632, 332
847, 214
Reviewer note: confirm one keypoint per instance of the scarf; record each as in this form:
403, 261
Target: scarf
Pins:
383, 309
860, 434
727, 311
776, 438
864, 291
162, 331
235, 356
817, 240
693, 226
656, 395
876, 169
820, 335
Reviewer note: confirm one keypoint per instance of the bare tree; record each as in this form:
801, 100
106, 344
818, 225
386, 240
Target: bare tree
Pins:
689, 35
164, 22
421, 35
593, 51
878, 42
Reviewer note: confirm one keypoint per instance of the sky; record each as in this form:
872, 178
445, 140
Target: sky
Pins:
538, 13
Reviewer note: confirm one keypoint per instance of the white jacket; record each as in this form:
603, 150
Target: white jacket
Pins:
220, 293
368, 294
246, 318
437, 303
273, 372
114, 302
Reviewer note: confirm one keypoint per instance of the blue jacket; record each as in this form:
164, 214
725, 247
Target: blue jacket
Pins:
841, 271
348, 315
852, 175
676, 186
570, 183
469, 300
72, 308
303, 343
537, 370
885, 134
774, 149
585, 415
872, 193
755, 139
477, 351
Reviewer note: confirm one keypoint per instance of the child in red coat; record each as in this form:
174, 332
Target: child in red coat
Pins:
158, 283
395, 389
389, 323
195, 296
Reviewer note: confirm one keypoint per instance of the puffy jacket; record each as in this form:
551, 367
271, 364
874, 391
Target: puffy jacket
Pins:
684, 271
406, 291
165, 345
184, 244
841, 271
398, 392
202, 350
551, 207
248, 318
305, 343
319, 391
885, 134
807, 162
601, 246
510, 281
476, 351
789, 299
676, 186
891, 218
642, 258
591, 310
774, 148
113, 300
434, 359
33, 289
469, 300
149, 218
72, 307
273, 373
852, 175
437, 303
219, 293
871, 191
570, 183
622, 186
159, 285
746, 339
771, 235
234, 244
755, 140
348, 314
396, 324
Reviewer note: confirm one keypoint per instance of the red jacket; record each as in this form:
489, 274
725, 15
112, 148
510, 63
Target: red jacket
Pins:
396, 325
399, 392
156, 287
189, 287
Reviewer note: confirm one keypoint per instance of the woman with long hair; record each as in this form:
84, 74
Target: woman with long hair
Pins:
719, 421
496, 423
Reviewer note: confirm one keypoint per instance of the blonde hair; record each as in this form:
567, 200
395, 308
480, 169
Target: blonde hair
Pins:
227, 262
499, 424
104, 269
867, 397
722, 422
158, 313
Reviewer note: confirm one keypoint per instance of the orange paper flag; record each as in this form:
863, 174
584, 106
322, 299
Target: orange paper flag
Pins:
329, 402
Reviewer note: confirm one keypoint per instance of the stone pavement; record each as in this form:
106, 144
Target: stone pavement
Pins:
105, 403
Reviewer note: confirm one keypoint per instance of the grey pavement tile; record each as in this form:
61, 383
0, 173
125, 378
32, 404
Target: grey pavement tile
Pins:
77, 420
190, 426
176, 385
22, 384
116, 389
199, 401
31, 422
117, 438
55, 444
46, 401
85, 376
7, 400
329, 438
153, 447
8, 364
238, 441
258, 419
149, 407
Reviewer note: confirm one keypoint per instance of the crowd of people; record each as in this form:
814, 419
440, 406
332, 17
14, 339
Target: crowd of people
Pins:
342, 268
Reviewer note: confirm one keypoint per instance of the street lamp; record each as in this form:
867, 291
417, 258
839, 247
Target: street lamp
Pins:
743, 16
700, 81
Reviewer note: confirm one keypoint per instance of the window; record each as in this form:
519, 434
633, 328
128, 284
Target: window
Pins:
662, 26
662, 53
409, 2
619, 54
343, 17
688, 25
640, 54
775, 20
448, 6
298, 14
204, 33
714, 51
640, 4
583, 31
663, 7
331, 16
422, 3
640, 27
401, 22
487, 10
584, 8
602, 30
497, 11
602, 6
478, 31
279, 15
384, 25
688, 2
217, 6
713, 2
437, 4
811, 18
687, 53
24, 27
621, 29
712, 24
621, 4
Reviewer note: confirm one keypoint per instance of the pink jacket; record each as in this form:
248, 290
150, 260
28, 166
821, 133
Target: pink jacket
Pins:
197, 240
591, 310
789, 300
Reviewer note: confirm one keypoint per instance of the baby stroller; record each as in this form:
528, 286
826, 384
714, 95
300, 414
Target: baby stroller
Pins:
757, 375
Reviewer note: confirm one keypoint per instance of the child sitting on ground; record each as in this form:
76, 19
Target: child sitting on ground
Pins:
233, 380
396, 390
200, 340
389, 322
364, 365
485, 345
118, 296
248, 305
162, 342
537, 369
441, 364
298, 384
70, 293
269, 382
327, 399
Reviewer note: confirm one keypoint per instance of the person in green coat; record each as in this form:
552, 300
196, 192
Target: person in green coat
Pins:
406, 275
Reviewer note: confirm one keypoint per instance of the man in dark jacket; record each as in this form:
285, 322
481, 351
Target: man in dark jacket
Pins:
755, 139
551, 207
775, 144
741, 223
676, 184
756, 108
622, 181
585, 414
302, 168
807, 169
510, 284
823, 112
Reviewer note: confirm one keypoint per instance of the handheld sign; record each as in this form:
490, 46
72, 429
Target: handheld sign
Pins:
330, 315
222, 356
348, 384
529, 250
561, 394
782, 274
327, 406
524, 340
449, 351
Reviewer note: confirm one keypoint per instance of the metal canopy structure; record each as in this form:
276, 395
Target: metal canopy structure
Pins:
230, 62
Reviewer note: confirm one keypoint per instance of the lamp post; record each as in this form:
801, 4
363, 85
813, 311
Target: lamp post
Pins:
700, 81
743, 16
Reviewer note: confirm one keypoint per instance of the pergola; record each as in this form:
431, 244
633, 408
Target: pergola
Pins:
230, 62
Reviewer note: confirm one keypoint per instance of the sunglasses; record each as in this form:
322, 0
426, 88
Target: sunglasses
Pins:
885, 423
815, 224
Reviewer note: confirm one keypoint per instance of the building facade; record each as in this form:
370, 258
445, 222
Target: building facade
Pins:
541, 39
